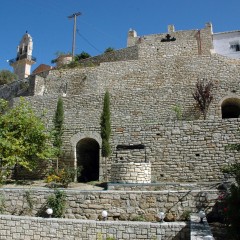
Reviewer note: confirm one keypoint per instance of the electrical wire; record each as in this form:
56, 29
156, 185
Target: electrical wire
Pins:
86, 40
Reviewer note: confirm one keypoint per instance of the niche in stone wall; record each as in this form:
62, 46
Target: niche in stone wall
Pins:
88, 152
230, 108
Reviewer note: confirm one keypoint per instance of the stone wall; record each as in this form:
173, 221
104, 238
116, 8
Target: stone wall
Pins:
125, 54
144, 94
131, 172
25, 228
120, 205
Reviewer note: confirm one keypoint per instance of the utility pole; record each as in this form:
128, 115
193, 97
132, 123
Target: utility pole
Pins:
74, 15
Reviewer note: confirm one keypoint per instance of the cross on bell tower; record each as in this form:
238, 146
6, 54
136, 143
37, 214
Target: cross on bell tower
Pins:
24, 60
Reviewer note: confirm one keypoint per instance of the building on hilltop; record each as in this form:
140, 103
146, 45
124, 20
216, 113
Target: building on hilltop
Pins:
150, 84
24, 60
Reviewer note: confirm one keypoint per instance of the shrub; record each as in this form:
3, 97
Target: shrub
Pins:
63, 177
203, 95
57, 202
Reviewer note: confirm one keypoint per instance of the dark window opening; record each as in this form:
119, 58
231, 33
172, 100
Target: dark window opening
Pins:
231, 108
235, 47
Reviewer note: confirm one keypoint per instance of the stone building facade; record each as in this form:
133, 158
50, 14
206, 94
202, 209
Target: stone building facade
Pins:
147, 80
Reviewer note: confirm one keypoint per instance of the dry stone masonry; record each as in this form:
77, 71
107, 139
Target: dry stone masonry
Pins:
148, 82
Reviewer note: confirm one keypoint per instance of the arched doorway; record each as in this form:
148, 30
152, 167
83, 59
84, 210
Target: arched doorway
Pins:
231, 108
87, 151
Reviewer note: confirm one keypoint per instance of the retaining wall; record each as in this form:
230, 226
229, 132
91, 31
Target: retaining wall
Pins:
121, 205
26, 228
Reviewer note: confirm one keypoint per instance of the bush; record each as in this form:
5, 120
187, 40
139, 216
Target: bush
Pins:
7, 77
57, 202
232, 202
63, 177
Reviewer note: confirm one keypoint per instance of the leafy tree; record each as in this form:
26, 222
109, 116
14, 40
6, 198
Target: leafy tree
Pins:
82, 55
109, 49
203, 95
7, 77
23, 138
106, 126
232, 200
58, 128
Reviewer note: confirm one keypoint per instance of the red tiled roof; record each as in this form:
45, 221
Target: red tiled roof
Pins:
42, 68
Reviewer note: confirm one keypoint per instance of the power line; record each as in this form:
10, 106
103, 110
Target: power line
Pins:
86, 40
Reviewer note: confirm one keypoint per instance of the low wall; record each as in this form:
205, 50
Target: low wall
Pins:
25, 228
121, 205
131, 172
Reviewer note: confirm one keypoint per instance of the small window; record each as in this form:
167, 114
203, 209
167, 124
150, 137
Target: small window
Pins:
235, 47
25, 49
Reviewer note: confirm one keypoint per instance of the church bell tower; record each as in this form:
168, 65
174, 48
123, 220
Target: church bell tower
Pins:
24, 60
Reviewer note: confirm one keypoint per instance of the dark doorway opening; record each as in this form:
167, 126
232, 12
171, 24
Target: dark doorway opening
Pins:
231, 108
88, 159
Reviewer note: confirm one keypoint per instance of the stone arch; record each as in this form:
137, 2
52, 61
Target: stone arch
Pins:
230, 107
85, 146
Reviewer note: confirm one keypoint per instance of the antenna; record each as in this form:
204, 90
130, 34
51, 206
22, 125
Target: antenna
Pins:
74, 15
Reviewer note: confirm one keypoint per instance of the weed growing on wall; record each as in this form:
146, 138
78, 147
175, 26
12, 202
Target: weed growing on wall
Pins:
30, 201
178, 111
2, 204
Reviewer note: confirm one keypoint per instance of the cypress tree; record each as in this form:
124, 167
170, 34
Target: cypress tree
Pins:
106, 126
58, 128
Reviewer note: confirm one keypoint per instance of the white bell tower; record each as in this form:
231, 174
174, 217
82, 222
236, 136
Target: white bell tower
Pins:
24, 60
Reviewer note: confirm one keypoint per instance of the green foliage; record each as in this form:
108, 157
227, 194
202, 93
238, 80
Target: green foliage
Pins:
203, 95
139, 218
30, 201
106, 126
109, 49
234, 171
7, 77
232, 201
186, 215
23, 138
110, 238
178, 110
2, 204
57, 202
58, 126
63, 177
82, 55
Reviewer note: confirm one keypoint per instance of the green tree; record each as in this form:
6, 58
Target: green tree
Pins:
82, 55
232, 200
106, 126
23, 138
7, 77
58, 128
109, 49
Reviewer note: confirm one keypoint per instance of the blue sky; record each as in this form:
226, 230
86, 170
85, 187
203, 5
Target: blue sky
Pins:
103, 23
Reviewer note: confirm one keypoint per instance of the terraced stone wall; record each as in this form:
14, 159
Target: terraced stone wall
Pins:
23, 228
120, 205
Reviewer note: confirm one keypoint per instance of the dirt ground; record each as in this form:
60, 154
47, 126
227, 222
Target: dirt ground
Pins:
43, 185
